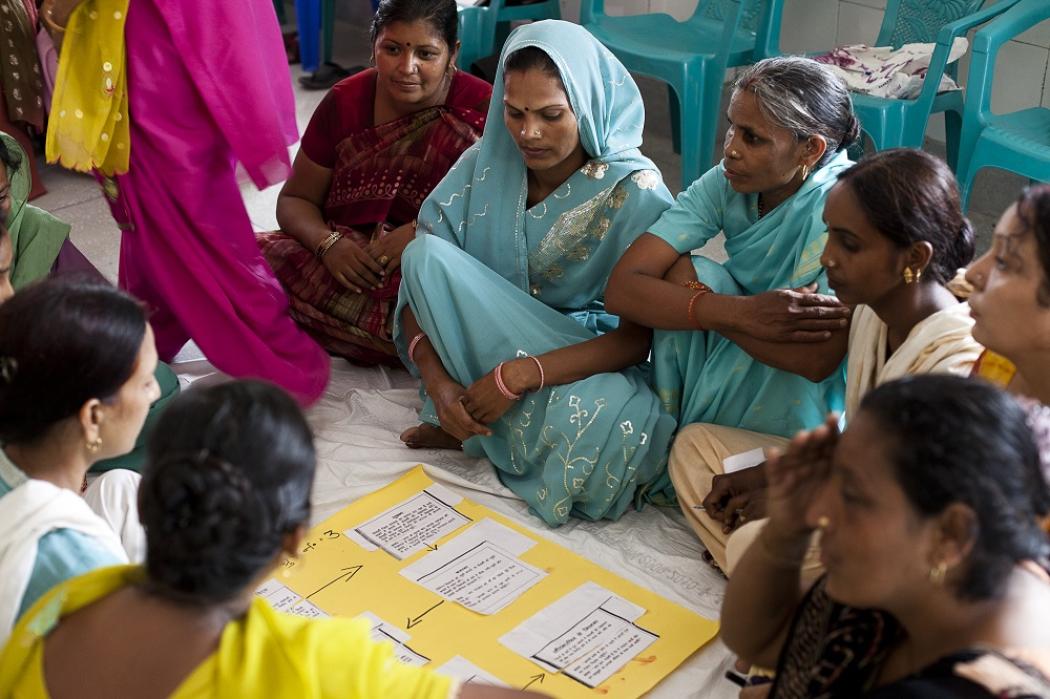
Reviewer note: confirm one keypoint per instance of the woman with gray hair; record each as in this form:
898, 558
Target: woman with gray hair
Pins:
756, 342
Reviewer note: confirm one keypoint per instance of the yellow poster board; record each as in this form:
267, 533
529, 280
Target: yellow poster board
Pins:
361, 561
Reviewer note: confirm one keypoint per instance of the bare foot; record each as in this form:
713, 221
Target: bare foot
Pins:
429, 437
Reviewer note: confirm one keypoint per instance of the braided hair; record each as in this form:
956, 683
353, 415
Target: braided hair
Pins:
228, 476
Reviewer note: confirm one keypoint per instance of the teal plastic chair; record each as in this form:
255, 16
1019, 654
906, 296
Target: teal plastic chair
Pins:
477, 33
692, 58
893, 123
1018, 141
483, 30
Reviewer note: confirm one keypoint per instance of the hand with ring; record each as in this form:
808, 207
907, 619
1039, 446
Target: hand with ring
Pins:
386, 251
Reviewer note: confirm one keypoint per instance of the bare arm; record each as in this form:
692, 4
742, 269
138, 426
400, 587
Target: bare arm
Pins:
762, 596
815, 361
766, 588
300, 204
442, 388
300, 213
613, 351
616, 350
794, 330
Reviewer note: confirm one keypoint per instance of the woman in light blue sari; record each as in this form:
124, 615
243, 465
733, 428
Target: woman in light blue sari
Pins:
759, 360
501, 308
752, 347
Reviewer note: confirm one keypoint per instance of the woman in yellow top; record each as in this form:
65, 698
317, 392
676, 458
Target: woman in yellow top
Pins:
225, 496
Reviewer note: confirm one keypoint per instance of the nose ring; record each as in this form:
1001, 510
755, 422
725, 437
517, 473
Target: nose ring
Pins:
734, 154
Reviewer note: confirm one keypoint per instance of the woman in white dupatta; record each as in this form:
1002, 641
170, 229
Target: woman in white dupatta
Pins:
76, 381
896, 239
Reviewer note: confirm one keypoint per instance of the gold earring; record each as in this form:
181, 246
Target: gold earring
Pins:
94, 445
937, 573
805, 172
909, 276
823, 522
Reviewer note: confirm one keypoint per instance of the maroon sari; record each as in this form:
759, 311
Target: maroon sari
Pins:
380, 174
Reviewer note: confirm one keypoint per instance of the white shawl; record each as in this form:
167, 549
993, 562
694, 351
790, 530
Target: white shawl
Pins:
942, 343
27, 513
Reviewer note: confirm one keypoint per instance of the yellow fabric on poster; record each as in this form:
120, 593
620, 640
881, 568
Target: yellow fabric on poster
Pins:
88, 128
345, 579
263, 654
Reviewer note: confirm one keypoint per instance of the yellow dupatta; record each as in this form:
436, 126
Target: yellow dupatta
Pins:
994, 368
89, 127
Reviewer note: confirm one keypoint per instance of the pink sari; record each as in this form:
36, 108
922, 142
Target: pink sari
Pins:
208, 88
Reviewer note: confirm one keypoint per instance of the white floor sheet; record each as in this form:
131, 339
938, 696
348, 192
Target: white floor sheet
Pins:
357, 424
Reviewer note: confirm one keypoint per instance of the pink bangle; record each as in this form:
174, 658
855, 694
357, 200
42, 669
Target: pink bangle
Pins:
412, 346
498, 375
540, 367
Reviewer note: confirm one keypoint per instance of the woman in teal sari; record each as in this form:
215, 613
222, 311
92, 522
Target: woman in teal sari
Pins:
501, 308
736, 343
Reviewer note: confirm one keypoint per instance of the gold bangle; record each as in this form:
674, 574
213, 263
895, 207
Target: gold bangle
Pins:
326, 244
47, 16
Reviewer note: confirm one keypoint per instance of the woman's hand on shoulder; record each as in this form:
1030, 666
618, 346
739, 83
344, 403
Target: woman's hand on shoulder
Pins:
791, 315
352, 266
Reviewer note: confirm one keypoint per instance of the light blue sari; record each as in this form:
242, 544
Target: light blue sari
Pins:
490, 280
702, 376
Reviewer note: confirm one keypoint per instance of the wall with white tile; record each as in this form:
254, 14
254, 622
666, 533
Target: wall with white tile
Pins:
1022, 76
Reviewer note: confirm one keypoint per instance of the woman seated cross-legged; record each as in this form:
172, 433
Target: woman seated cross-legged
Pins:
722, 331
501, 310
896, 238
225, 497
377, 145
77, 365
936, 582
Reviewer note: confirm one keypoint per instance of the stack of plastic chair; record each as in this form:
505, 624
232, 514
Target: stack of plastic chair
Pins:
547, 9
1017, 141
893, 123
692, 58
484, 29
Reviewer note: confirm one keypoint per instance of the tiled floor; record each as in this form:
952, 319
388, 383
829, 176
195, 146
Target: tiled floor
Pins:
77, 199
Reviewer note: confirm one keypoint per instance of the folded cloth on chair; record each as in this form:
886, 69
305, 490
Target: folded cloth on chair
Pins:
882, 71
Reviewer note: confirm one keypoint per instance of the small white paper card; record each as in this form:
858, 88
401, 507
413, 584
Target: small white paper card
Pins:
413, 524
479, 569
385, 631
747, 459
588, 635
469, 673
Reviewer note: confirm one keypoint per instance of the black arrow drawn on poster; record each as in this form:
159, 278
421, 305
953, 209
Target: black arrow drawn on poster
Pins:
430, 548
412, 622
534, 679
346, 575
